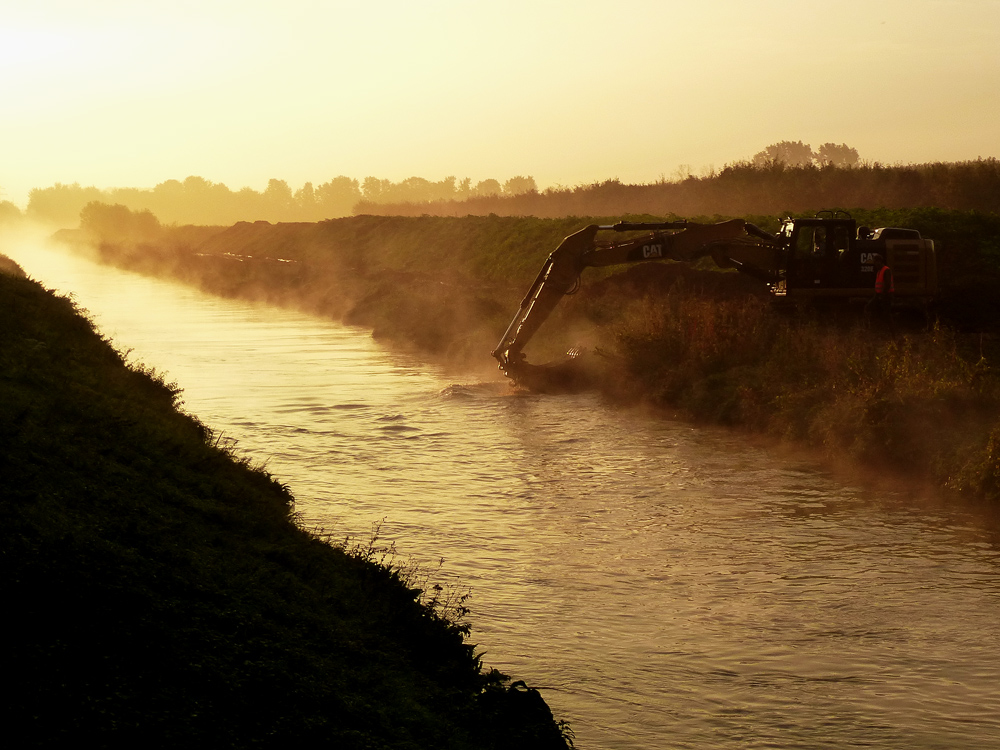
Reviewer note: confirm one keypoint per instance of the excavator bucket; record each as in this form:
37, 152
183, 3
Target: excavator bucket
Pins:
576, 372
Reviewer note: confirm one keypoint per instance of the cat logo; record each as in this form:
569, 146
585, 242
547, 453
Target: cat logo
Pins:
652, 251
867, 258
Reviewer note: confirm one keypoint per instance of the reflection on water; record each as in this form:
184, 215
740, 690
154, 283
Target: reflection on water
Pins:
669, 586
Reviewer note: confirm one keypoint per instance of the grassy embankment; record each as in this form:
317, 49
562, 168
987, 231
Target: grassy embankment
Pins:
920, 400
158, 592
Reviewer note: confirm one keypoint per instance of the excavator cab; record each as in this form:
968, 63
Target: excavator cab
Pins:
827, 257
816, 251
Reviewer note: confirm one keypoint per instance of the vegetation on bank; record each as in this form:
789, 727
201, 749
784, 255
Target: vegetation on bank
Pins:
159, 592
742, 188
786, 176
919, 401
918, 398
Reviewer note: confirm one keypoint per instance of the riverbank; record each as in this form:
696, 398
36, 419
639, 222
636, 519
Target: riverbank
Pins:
920, 400
160, 591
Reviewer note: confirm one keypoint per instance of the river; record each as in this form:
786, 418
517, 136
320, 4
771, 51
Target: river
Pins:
666, 586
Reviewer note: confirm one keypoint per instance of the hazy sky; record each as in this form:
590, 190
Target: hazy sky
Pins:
132, 93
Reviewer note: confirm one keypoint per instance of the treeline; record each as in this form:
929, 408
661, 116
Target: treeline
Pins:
756, 187
777, 181
9, 213
199, 201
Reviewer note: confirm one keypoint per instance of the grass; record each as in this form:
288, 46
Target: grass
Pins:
921, 402
158, 590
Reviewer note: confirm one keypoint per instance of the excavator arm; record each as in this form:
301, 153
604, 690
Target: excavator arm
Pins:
732, 244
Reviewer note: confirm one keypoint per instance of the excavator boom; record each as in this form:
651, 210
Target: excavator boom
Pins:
732, 244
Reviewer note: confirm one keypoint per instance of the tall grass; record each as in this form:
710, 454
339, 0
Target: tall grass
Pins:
924, 402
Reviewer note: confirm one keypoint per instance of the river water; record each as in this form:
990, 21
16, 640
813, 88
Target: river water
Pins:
666, 586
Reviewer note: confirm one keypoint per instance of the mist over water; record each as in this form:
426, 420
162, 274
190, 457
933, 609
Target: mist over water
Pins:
668, 586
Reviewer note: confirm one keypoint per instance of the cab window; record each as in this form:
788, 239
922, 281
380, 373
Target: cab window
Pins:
840, 239
811, 242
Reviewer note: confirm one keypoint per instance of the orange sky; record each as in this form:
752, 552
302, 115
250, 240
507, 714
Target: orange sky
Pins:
121, 93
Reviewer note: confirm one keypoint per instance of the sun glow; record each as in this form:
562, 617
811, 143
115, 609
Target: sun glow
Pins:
123, 94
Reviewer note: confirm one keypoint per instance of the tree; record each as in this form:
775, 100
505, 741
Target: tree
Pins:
520, 185
789, 153
489, 187
410, 190
279, 203
116, 223
445, 189
839, 156
169, 189
60, 204
9, 213
683, 172
373, 189
194, 184
305, 197
338, 196
278, 193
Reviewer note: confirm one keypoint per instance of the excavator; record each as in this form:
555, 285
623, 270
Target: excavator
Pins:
823, 258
